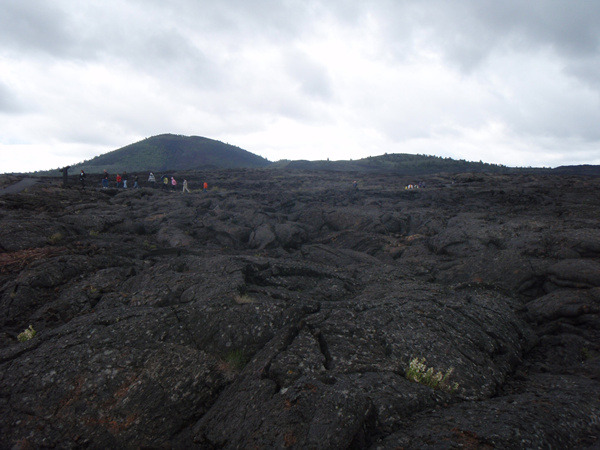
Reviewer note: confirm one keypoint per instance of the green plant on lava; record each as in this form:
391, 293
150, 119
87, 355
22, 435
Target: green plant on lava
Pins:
233, 362
419, 373
56, 238
26, 335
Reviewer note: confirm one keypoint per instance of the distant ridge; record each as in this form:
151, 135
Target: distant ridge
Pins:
400, 163
585, 169
170, 152
409, 164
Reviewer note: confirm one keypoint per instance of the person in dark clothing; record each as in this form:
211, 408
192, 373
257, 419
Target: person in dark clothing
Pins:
105, 180
65, 172
82, 179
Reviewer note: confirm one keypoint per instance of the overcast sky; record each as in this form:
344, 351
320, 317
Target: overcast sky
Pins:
512, 82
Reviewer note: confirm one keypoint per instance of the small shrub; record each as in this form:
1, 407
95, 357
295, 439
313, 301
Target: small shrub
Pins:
243, 299
93, 292
419, 373
237, 359
149, 246
94, 233
55, 238
233, 362
585, 354
26, 335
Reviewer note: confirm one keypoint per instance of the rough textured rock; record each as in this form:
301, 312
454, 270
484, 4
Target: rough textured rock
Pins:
283, 309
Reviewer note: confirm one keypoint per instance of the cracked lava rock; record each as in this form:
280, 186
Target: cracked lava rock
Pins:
283, 309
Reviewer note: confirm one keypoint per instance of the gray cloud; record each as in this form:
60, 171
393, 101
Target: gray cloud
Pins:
385, 75
312, 77
33, 26
467, 32
474, 36
570, 28
9, 103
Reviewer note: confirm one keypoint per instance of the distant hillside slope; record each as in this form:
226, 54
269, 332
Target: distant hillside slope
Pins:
168, 152
407, 164
401, 163
585, 169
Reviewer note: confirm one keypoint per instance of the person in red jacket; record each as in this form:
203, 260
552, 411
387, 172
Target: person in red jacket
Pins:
119, 180
205, 186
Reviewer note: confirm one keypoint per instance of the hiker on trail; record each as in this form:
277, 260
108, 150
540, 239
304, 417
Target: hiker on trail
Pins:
205, 186
105, 180
65, 172
82, 179
152, 180
125, 179
355, 185
135, 182
165, 180
173, 183
119, 180
185, 187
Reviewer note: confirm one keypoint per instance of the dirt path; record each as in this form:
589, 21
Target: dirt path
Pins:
19, 186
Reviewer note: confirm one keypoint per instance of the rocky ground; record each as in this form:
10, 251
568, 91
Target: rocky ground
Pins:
283, 309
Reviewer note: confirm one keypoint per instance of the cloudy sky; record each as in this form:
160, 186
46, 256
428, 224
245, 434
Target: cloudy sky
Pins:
511, 82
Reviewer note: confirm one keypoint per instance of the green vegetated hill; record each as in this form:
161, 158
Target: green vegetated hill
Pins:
169, 152
584, 169
401, 163
408, 164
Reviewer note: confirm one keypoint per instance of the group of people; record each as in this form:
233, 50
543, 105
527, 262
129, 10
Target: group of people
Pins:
121, 181
165, 182
415, 186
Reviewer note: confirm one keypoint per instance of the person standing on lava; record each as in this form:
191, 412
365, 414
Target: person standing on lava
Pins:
65, 172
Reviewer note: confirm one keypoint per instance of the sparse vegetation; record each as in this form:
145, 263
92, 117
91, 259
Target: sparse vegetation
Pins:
27, 334
419, 373
149, 246
586, 354
93, 292
243, 299
233, 362
56, 238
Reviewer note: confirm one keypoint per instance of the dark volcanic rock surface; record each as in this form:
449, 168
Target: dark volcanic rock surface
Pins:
282, 309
